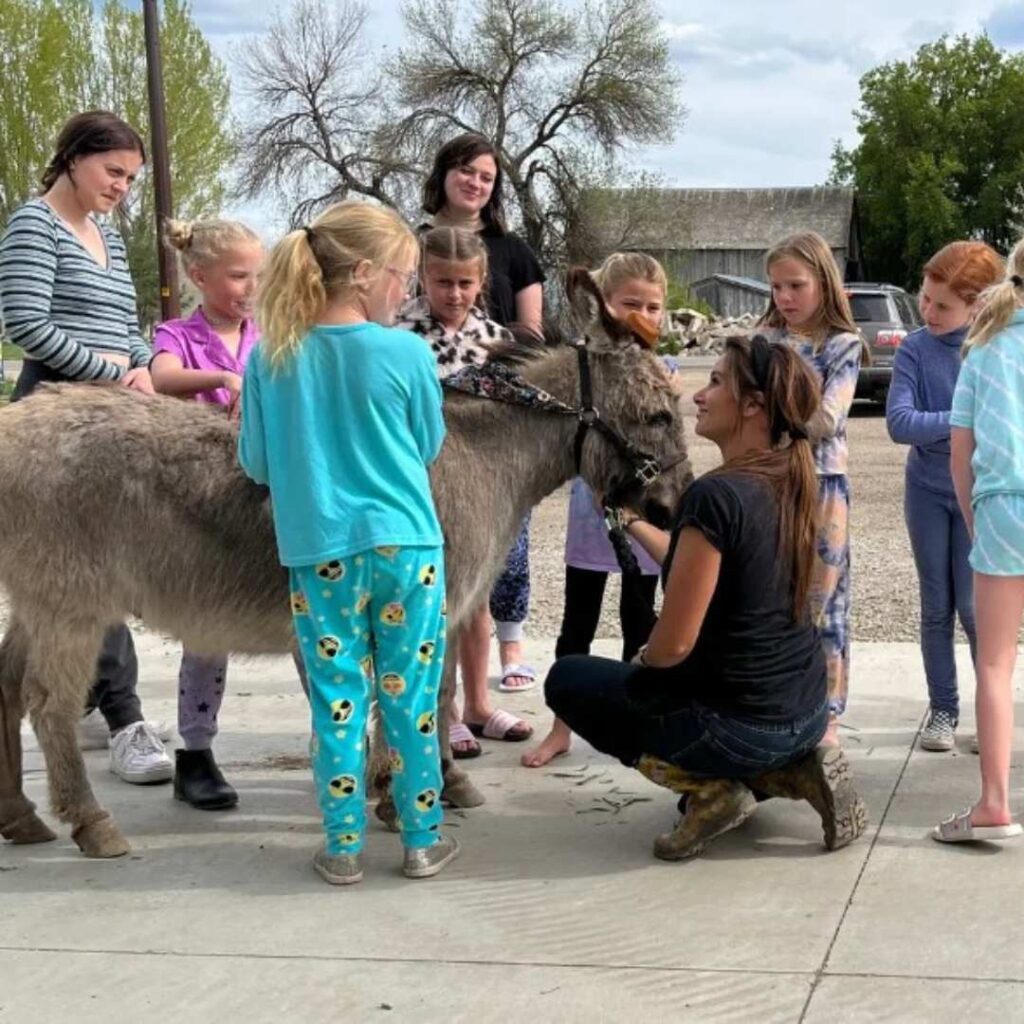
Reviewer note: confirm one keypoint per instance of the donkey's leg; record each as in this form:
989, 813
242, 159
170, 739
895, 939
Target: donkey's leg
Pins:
19, 822
59, 669
459, 791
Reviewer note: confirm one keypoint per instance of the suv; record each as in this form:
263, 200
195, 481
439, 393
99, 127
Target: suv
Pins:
885, 315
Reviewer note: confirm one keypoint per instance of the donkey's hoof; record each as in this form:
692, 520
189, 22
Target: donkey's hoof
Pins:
29, 828
101, 838
387, 813
462, 793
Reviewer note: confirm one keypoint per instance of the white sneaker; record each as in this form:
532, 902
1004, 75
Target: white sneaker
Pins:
138, 756
93, 733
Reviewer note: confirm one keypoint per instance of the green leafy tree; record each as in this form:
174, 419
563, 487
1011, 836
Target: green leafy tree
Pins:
941, 153
58, 57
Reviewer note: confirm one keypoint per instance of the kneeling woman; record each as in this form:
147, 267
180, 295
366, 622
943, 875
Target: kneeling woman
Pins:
727, 702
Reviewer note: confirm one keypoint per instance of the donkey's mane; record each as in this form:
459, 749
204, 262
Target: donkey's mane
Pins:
525, 345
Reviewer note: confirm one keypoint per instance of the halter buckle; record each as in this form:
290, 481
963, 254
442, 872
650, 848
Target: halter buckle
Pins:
588, 417
648, 471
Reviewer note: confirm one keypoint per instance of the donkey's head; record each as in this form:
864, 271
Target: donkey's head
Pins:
635, 396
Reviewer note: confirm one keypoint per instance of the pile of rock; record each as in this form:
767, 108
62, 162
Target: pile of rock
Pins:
697, 334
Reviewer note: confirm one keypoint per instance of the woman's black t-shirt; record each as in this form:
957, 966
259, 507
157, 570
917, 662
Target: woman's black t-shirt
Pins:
512, 266
751, 660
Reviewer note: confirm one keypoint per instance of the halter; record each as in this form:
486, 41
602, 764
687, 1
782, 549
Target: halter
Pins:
500, 383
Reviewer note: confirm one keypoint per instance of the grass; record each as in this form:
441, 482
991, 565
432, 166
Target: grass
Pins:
10, 351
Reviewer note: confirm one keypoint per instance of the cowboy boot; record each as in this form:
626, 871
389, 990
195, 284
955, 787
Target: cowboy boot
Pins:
713, 807
823, 779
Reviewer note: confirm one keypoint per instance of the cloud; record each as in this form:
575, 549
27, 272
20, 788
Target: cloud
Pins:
1006, 25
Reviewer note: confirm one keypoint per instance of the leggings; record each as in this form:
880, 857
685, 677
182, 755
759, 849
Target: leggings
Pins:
584, 593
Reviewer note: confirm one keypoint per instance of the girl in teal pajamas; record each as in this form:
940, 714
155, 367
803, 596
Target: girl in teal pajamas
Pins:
341, 416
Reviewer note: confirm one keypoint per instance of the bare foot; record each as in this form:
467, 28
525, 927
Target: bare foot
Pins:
831, 737
982, 815
552, 746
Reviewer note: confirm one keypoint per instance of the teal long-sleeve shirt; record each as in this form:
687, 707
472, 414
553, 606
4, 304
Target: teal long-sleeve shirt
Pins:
343, 433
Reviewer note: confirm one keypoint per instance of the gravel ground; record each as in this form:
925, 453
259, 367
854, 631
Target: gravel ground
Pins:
885, 603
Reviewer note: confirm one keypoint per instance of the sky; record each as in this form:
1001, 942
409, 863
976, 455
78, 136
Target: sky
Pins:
768, 87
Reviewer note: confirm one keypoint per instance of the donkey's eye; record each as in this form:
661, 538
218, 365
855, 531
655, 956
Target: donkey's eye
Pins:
660, 419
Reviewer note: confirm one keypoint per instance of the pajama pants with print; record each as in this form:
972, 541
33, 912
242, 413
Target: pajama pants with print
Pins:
372, 625
830, 585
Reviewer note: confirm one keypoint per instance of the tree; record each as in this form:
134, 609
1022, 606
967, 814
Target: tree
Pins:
560, 90
58, 57
941, 153
47, 70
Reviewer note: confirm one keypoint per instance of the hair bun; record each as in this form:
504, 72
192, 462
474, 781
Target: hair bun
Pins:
178, 233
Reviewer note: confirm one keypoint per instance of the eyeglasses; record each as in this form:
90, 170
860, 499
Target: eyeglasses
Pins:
408, 278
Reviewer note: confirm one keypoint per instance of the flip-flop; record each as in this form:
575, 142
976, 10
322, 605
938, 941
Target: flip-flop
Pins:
502, 726
957, 828
514, 671
458, 733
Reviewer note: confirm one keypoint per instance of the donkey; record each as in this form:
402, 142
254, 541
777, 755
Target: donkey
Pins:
116, 504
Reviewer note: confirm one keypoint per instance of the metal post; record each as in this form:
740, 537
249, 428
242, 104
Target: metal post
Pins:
169, 306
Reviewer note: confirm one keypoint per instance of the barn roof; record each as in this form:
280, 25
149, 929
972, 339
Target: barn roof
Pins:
744, 218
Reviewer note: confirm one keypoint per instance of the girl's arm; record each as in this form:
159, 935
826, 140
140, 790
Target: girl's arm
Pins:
838, 387
28, 270
530, 307
171, 378
907, 424
691, 585
252, 447
426, 418
961, 453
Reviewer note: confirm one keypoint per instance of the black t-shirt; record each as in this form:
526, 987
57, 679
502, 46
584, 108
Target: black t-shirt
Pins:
751, 660
512, 267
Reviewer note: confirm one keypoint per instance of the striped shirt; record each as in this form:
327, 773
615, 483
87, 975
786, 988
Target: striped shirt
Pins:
60, 305
989, 400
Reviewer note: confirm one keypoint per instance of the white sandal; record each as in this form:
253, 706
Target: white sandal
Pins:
957, 828
513, 671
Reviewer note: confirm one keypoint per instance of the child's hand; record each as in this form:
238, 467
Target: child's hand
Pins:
233, 384
139, 380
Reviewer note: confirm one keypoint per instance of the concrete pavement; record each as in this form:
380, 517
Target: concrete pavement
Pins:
556, 910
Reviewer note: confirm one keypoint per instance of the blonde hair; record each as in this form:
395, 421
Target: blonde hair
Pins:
314, 265
621, 267
809, 248
999, 301
202, 242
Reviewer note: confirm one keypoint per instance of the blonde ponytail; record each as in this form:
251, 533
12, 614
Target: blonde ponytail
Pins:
316, 264
999, 302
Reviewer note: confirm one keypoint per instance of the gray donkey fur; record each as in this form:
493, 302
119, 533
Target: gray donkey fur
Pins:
116, 504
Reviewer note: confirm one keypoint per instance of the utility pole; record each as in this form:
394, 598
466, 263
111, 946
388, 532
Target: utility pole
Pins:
169, 306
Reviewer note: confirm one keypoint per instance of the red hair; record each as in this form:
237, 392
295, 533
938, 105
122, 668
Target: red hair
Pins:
966, 268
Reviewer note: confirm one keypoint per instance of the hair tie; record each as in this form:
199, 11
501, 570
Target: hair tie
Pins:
309, 233
1016, 280
760, 358
796, 433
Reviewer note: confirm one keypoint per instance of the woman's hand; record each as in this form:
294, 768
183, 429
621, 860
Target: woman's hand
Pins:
139, 379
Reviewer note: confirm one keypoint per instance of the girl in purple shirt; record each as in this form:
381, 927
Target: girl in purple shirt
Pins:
203, 357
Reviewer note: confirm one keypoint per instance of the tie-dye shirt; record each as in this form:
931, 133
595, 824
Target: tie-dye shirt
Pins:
989, 400
837, 364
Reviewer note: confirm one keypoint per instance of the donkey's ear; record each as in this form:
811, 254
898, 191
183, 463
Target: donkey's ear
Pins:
602, 330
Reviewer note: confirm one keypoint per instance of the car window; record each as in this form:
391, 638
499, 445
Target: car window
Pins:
908, 311
870, 308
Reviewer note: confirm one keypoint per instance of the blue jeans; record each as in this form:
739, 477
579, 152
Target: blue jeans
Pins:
941, 546
592, 695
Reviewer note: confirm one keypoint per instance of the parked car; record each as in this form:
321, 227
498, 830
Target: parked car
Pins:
885, 315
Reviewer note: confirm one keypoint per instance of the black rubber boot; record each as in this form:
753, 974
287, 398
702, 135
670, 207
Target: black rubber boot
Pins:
199, 782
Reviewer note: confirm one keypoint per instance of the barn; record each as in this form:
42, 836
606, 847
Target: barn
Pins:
714, 239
